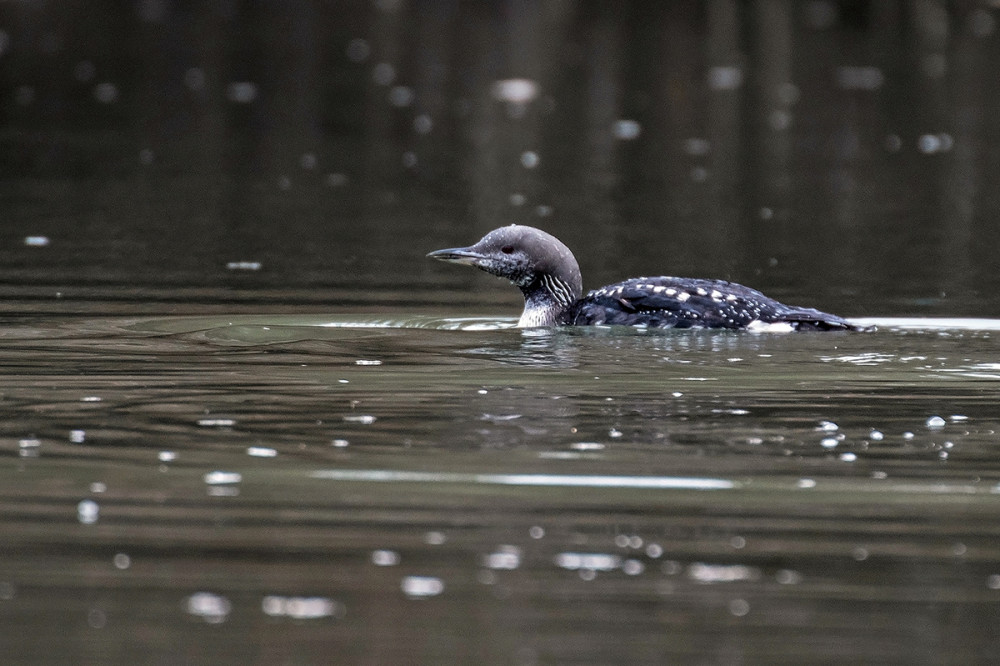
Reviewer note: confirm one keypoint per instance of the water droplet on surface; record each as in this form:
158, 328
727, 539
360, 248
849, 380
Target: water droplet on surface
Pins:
385, 558
299, 608
788, 577
77, 436
422, 586
505, 557
876, 436
739, 607
435, 538
87, 512
935, 422
122, 561
212, 608
219, 477
261, 452
633, 567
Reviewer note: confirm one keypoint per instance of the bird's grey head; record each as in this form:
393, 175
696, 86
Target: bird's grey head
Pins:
537, 262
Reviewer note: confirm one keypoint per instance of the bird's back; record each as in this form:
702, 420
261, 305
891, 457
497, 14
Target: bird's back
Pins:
671, 302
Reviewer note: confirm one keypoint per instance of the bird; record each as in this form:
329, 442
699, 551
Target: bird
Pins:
549, 278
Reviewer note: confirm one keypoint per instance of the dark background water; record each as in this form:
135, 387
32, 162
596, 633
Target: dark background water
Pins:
334, 463
833, 152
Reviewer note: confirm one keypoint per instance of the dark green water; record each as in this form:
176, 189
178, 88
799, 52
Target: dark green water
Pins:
244, 420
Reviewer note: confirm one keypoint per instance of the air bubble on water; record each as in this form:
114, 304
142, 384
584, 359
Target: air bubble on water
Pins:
654, 550
935, 422
383, 74
241, 92
166, 456
261, 452
829, 443
435, 538
876, 436
401, 96
36, 241
194, 78
536, 532
358, 50
981, 22
336, 179
908, 435
24, 95
84, 71
339, 443
805, 483
725, 77
77, 436
848, 457
529, 159
515, 91
859, 78
363, 419
626, 129
122, 561
423, 124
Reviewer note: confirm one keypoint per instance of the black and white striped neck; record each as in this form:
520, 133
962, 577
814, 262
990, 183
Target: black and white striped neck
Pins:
547, 300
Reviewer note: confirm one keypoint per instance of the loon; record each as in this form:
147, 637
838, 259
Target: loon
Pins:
548, 275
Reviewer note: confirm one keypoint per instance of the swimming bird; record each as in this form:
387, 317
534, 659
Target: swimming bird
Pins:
548, 275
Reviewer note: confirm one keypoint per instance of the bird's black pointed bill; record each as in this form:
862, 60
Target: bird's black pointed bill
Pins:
456, 255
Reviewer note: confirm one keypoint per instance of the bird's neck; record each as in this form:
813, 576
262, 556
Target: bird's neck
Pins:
546, 299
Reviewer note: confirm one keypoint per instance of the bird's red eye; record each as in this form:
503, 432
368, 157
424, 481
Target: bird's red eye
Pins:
507, 249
